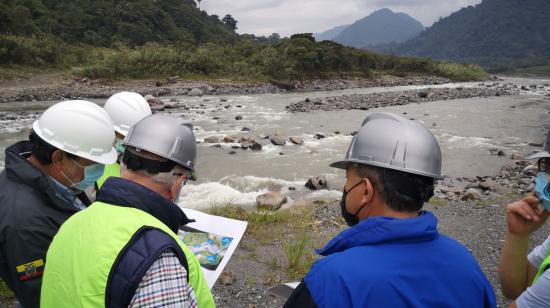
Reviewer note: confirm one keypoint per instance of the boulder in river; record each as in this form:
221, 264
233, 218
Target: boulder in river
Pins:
272, 200
296, 140
317, 183
255, 146
278, 140
230, 139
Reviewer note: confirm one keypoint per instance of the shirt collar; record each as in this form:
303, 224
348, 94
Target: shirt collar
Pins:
66, 194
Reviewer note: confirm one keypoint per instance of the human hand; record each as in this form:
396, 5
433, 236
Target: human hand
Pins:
525, 216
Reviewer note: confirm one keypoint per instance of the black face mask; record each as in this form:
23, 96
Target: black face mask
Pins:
351, 219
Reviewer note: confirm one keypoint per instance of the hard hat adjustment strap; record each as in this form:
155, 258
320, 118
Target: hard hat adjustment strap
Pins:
135, 163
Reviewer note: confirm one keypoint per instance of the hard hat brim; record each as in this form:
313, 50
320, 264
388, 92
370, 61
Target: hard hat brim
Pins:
542, 154
120, 130
343, 164
153, 151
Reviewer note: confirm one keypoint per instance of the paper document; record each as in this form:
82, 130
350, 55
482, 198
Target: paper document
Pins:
213, 240
283, 289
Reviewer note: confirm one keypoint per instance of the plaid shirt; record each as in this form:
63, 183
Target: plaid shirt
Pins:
165, 285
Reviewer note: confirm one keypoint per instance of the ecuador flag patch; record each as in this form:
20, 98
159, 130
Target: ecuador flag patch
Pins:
30, 270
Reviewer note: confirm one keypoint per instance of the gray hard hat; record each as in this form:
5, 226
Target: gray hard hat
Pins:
389, 141
545, 151
166, 136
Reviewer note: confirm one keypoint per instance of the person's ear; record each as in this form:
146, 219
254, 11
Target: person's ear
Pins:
368, 194
58, 159
175, 189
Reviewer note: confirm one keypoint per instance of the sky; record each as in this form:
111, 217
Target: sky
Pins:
286, 17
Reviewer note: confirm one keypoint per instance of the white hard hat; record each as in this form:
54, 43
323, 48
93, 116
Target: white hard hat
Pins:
78, 127
126, 109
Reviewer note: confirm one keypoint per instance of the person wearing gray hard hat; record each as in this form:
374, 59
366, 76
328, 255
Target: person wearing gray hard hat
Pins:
524, 277
124, 249
392, 254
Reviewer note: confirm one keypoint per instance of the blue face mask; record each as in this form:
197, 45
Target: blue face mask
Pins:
541, 189
119, 147
91, 175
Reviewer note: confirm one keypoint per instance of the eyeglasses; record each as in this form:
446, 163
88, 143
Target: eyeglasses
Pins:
544, 165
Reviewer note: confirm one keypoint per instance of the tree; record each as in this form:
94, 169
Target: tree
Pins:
274, 38
230, 22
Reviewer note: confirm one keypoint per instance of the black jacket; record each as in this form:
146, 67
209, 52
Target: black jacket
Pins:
30, 215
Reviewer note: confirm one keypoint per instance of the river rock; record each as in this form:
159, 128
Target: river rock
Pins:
227, 278
316, 183
153, 101
278, 140
255, 146
195, 92
320, 136
272, 200
230, 139
245, 145
232, 153
296, 140
424, 94
238, 118
516, 156
245, 129
472, 194
212, 139
488, 185
247, 139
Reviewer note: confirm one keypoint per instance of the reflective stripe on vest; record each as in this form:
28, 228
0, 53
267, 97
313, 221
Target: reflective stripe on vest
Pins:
543, 266
83, 252
110, 170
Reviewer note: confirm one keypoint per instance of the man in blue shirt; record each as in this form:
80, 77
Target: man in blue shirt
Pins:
392, 255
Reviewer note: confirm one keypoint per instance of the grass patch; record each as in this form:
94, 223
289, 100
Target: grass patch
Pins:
267, 226
5, 292
299, 256
459, 72
438, 201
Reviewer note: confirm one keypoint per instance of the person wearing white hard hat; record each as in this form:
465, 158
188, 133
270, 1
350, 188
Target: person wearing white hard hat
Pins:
524, 277
42, 186
125, 109
124, 251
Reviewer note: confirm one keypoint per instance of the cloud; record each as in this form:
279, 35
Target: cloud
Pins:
286, 17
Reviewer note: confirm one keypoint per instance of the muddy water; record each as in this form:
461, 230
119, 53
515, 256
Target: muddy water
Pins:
468, 130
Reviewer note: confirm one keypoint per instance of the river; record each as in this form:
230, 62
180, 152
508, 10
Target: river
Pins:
467, 129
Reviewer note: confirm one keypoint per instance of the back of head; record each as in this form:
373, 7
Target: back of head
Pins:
80, 128
126, 109
400, 156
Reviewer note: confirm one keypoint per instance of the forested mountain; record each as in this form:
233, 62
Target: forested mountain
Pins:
107, 23
329, 34
498, 34
380, 27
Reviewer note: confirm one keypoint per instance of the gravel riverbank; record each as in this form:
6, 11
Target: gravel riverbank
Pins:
384, 99
41, 88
